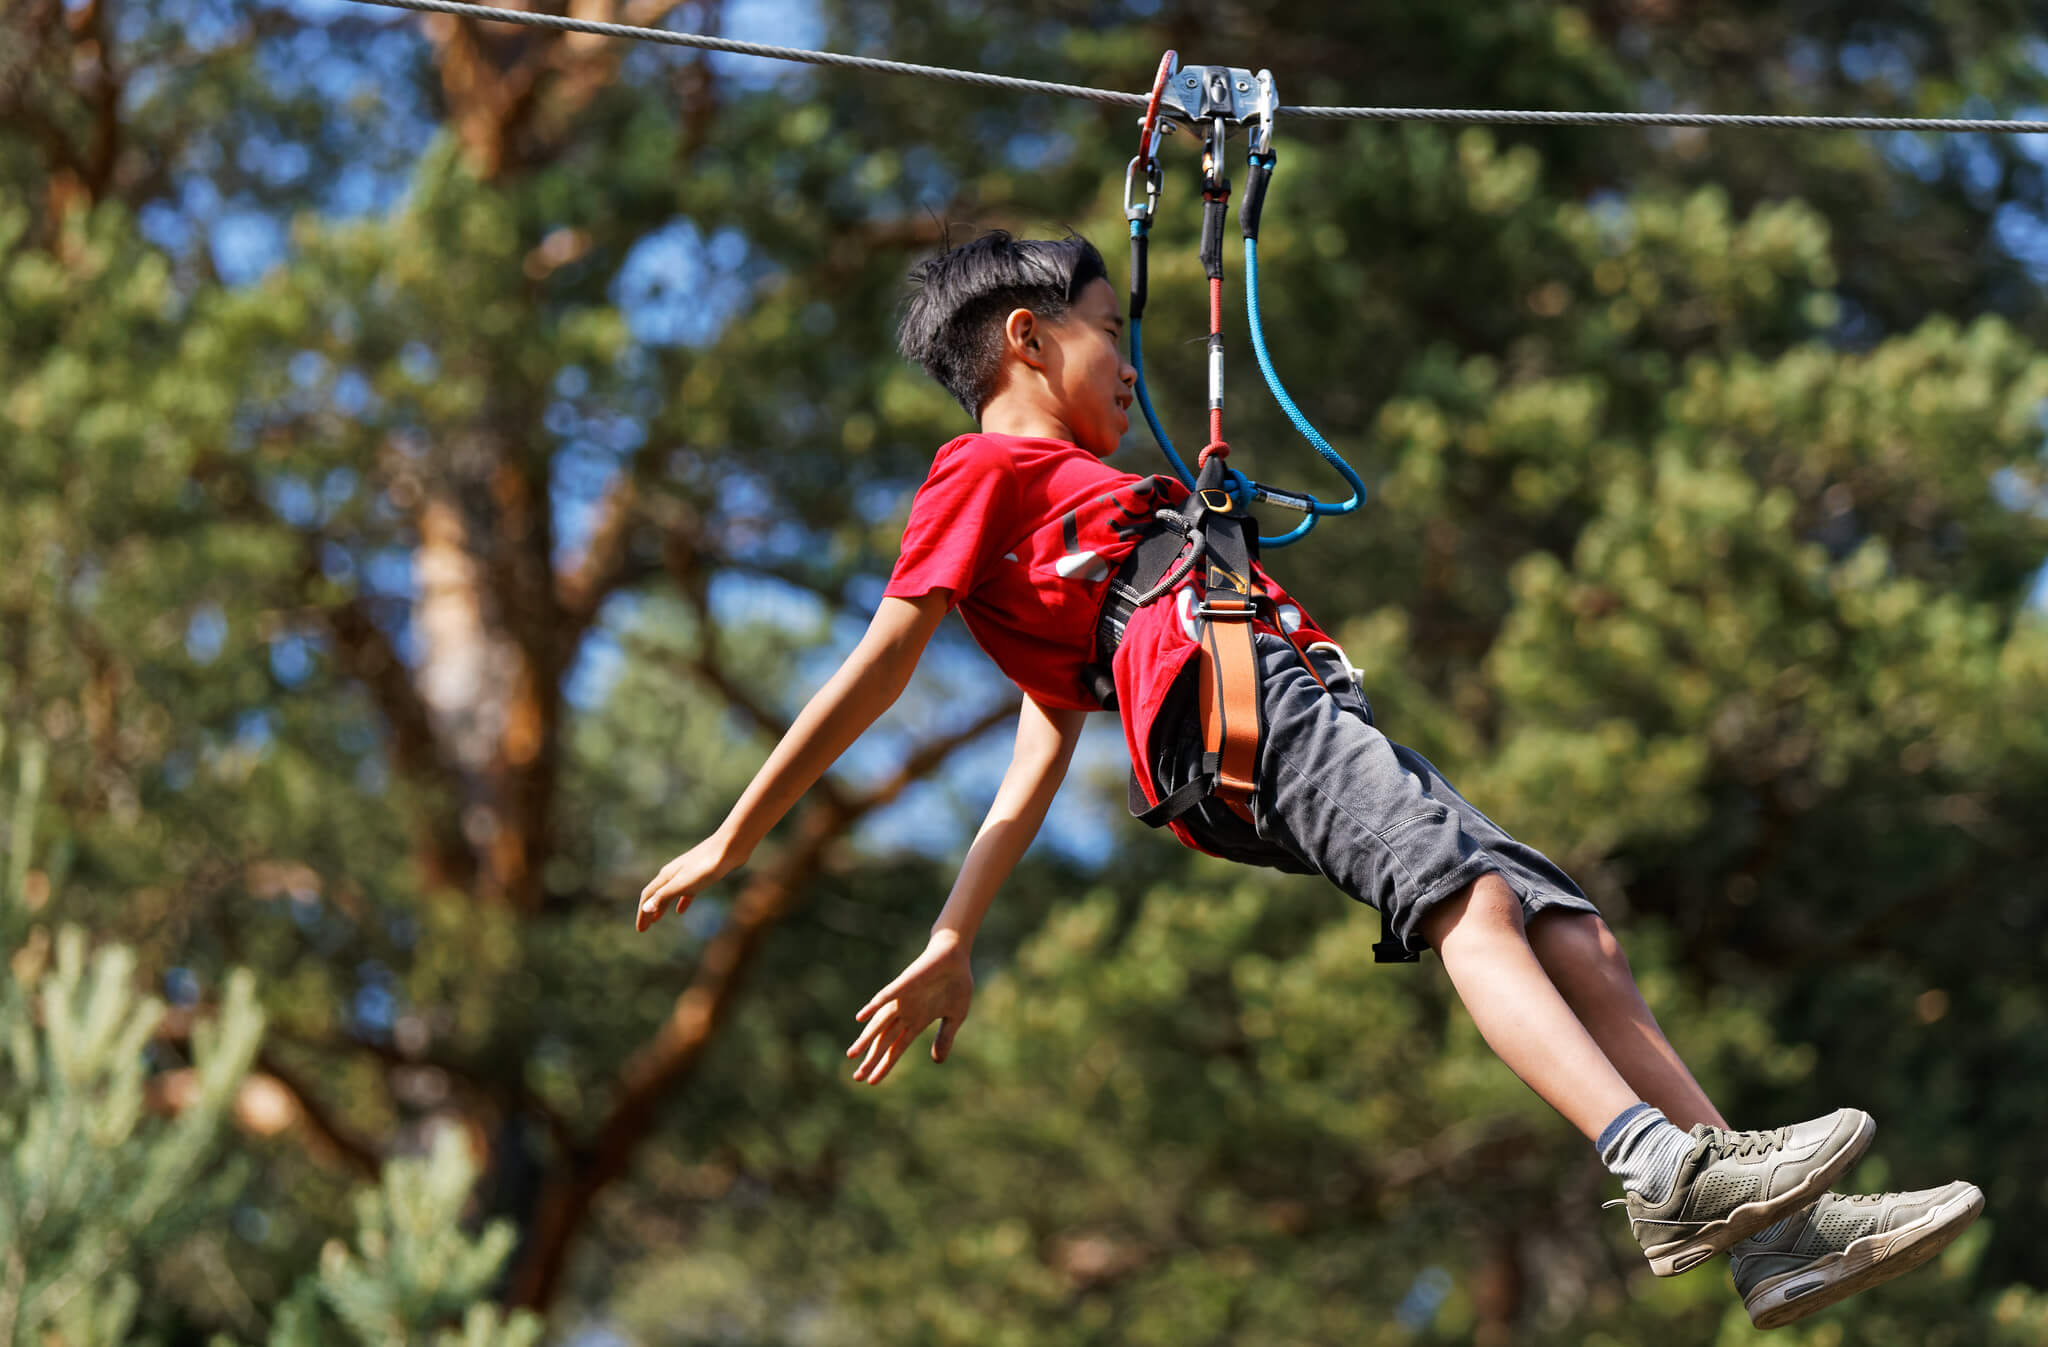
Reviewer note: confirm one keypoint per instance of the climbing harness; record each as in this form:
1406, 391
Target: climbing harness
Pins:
1208, 548
1202, 557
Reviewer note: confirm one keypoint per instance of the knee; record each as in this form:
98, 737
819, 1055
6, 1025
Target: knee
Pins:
1485, 907
1581, 943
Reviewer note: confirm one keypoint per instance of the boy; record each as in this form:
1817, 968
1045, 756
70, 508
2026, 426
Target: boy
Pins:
1024, 528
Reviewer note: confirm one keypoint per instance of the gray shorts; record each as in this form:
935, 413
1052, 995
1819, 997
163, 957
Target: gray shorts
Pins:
1340, 799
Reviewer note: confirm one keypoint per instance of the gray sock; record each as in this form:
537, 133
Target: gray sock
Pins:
1644, 1150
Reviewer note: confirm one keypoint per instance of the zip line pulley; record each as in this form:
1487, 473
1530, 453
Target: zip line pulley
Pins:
1212, 99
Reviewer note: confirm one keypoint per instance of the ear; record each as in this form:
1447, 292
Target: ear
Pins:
1022, 337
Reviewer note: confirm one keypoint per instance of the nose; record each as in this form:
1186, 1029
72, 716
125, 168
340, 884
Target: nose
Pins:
1128, 375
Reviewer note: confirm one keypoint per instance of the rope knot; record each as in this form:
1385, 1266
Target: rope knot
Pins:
1213, 449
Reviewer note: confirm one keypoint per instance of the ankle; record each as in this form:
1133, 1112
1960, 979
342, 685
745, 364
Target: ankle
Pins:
1645, 1151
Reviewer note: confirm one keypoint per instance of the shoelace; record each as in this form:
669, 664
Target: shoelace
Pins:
1737, 1144
1721, 1144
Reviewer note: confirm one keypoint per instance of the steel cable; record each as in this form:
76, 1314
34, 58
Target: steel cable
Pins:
1495, 116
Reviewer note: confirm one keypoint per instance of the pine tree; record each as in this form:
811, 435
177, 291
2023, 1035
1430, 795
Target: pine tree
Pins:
412, 1267
94, 1188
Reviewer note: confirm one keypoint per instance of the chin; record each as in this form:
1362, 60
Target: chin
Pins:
1112, 440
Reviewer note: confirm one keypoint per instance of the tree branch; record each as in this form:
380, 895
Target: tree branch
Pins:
360, 1154
463, 1073
581, 589
168, 1097
368, 656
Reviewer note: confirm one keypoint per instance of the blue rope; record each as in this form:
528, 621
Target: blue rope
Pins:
1242, 488
1308, 432
1151, 417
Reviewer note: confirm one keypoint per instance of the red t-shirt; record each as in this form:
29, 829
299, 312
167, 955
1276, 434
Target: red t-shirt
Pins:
1025, 533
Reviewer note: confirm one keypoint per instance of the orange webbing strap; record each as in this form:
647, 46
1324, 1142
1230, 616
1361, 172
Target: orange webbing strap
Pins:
1294, 639
1230, 705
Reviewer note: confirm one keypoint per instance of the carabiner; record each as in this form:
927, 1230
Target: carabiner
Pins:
1268, 111
1146, 162
1153, 178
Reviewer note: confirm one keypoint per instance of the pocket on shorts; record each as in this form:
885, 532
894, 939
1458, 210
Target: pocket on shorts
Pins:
1436, 813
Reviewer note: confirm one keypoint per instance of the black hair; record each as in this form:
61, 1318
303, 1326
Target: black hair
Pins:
953, 325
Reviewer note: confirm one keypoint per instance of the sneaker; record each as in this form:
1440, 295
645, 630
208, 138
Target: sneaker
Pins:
1842, 1245
1733, 1184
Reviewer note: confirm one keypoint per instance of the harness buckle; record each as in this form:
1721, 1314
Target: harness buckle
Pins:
1226, 610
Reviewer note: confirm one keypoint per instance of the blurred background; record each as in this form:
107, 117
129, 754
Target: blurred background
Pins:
436, 459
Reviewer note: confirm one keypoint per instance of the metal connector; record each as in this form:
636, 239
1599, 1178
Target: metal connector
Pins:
1152, 176
1203, 93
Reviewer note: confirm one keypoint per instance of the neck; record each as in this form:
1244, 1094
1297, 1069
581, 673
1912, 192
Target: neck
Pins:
1009, 413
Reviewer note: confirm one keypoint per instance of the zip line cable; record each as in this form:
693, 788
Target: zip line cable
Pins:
1496, 116
699, 40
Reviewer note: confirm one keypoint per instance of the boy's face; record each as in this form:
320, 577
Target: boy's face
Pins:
1085, 370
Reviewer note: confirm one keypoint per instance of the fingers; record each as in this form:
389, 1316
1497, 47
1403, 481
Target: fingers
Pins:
886, 995
675, 880
653, 897
649, 910
889, 1036
884, 1042
882, 1054
889, 1057
867, 1035
661, 877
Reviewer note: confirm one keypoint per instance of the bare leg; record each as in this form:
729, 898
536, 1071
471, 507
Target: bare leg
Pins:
1585, 963
1520, 1013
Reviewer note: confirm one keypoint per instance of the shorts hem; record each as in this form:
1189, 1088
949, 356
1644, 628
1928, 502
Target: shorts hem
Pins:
1534, 903
1407, 921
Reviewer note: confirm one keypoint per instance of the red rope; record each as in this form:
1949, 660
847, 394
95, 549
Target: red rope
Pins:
1216, 447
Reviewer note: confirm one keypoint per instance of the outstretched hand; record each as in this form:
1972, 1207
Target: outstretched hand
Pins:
936, 986
682, 878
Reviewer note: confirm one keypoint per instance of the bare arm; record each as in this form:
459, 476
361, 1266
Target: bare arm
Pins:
938, 985
1038, 764
853, 698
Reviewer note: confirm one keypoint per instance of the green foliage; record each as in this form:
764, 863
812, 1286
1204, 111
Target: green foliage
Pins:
91, 1190
412, 1267
94, 1191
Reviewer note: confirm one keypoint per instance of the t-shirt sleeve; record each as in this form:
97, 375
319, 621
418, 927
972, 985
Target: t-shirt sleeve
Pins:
961, 521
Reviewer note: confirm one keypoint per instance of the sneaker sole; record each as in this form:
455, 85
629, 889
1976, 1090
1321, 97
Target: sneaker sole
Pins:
1867, 1262
1668, 1260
